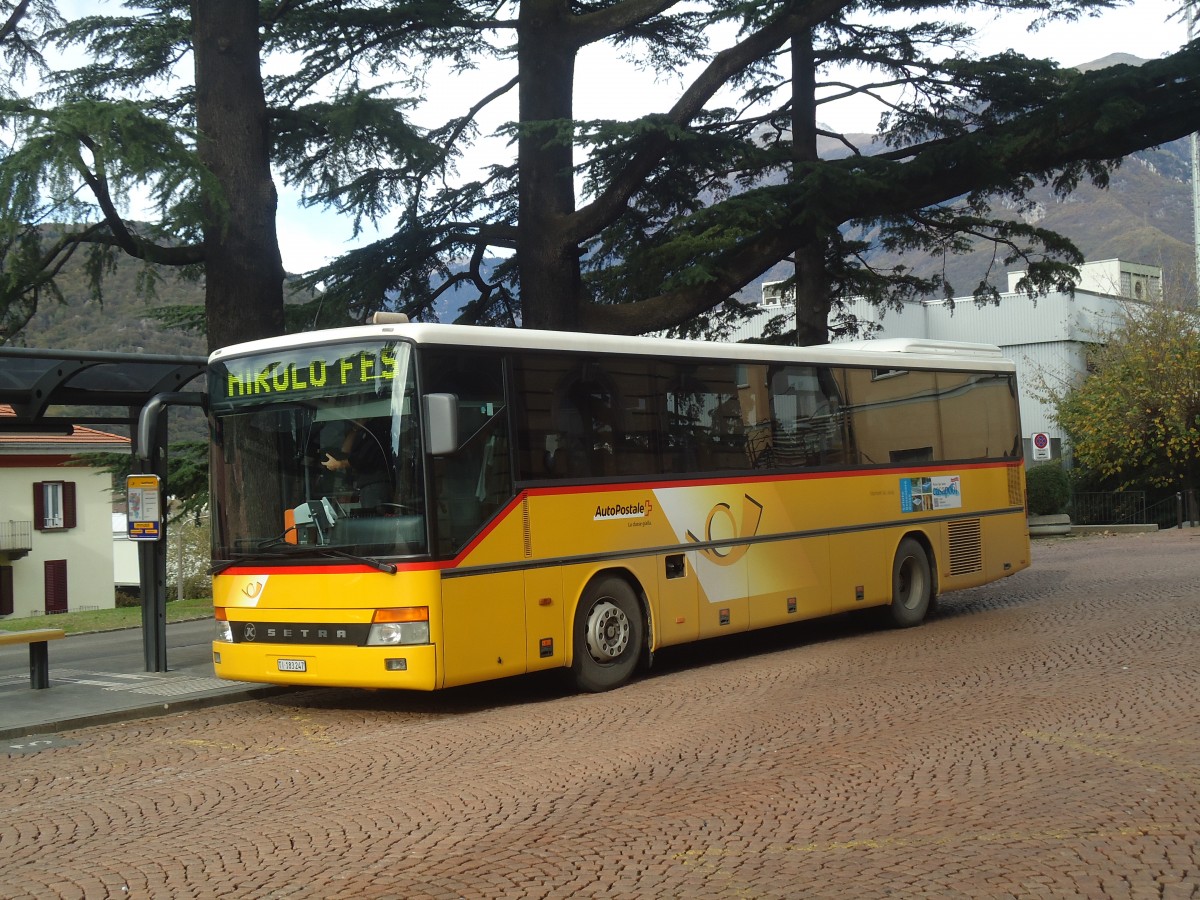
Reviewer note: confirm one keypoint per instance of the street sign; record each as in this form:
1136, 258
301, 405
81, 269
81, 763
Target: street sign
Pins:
1041, 445
144, 515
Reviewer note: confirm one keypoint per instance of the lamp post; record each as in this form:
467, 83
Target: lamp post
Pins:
1191, 11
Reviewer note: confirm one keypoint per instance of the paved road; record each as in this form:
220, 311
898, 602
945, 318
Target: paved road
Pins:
98, 679
188, 644
1038, 738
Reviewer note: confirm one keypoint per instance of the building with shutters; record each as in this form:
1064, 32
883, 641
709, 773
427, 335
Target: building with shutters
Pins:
56, 542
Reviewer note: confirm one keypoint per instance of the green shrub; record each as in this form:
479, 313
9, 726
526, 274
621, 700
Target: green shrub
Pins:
124, 599
1048, 489
197, 585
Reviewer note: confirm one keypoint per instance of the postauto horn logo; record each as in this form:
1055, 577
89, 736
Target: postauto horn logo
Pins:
715, 549
636, 510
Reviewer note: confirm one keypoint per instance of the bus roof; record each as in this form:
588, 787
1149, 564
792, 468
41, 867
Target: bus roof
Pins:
892, 353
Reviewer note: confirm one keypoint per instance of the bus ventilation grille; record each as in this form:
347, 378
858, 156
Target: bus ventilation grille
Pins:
966, 547
525, 526
1014, 486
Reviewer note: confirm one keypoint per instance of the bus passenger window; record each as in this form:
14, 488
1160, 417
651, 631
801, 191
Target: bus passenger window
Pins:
806, 417
472, 483
704, 429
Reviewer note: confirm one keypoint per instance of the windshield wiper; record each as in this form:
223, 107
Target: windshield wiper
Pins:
276, 551
379, 564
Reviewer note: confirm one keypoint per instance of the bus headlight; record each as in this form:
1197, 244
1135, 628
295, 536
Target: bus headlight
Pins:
224, 629
406, 625
398, 633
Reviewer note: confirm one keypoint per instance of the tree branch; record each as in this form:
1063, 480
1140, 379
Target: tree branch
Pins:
10, 26
596, 26
606, 208
1099, 116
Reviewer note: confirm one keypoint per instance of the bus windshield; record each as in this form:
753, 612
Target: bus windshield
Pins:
317, 453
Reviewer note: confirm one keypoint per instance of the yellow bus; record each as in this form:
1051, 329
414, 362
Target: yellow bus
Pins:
419, 506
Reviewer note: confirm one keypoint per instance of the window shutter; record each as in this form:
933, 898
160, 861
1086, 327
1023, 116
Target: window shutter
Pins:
68, 501
56, 585
39, 506
6, 591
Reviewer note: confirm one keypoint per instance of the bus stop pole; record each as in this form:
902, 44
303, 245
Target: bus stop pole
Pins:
152, 562
152, 555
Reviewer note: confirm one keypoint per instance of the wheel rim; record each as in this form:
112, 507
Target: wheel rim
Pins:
608, 630
911, 584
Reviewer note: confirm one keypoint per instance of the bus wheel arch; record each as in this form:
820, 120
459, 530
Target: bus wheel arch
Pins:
609, 633
914, 583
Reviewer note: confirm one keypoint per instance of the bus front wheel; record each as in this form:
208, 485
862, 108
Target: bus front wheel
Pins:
912, 585
608, 635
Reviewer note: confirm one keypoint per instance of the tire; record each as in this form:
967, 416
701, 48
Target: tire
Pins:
912, 585
608, 635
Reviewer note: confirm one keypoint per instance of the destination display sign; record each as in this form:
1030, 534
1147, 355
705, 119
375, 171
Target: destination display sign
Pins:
295, 373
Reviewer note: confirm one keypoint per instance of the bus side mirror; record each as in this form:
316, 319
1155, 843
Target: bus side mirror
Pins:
441, 424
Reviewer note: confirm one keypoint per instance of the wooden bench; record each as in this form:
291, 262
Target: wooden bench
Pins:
39, 658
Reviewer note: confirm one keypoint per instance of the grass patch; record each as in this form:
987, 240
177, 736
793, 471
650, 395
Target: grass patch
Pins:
110, 619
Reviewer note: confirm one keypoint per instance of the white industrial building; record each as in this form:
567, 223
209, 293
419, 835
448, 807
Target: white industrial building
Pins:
1045, 336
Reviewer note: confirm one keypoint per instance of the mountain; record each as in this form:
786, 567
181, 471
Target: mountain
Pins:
1144, 216
120, 320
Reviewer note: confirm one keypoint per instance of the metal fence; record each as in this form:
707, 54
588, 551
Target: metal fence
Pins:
1108, 508
1166, 513
1132, 508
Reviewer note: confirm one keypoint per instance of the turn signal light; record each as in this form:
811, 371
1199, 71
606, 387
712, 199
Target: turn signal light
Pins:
400, 625
402, 614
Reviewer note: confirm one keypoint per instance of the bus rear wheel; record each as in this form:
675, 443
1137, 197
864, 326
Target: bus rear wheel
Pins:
912, 585
608, 635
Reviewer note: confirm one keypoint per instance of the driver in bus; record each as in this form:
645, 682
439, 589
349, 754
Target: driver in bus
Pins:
364, 455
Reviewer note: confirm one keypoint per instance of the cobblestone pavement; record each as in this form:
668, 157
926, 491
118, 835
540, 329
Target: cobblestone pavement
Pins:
1039, 737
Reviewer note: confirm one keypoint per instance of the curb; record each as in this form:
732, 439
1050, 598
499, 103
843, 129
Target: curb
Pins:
1113, 529
144, 712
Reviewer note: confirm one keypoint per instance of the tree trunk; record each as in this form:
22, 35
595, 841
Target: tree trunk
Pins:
551, 286
812, 281
243, 268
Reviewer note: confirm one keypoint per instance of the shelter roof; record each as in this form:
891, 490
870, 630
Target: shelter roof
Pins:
50, 391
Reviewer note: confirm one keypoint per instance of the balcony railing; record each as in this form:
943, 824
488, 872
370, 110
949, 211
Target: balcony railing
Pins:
16, 538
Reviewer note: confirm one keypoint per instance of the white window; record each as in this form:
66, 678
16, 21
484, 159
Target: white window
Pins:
52, 504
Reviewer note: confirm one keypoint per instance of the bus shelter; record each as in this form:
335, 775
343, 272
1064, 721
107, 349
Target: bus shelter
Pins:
52, 391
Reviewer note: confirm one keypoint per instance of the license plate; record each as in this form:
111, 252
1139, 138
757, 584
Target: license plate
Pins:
292, 665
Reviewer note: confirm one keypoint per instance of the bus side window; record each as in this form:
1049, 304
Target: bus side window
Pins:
473, 481
687, 440
541, 446
704, 420
806, 417
470, 484
585, 416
